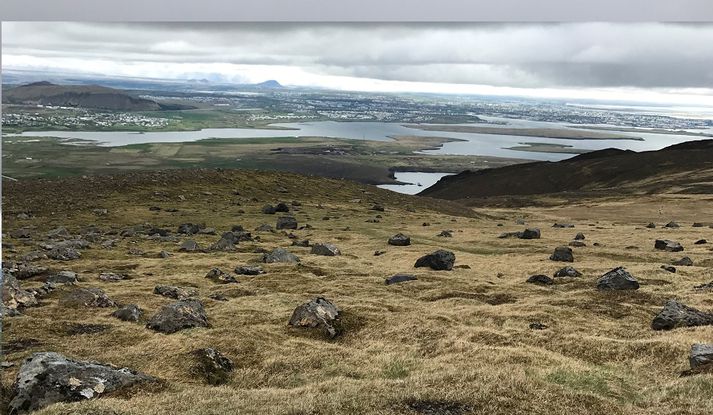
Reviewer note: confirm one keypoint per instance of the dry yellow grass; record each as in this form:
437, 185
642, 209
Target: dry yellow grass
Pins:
458, 337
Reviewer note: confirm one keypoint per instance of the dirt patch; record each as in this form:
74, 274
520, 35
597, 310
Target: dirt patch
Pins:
437, 407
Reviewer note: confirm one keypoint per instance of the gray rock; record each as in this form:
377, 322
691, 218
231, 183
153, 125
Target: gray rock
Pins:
111, 276
667, 245
60, 232
400, 278
530, 233
446, 234
577, 244
286, 222
282, 207
672, 224
567, 271
280, 255
264, 228
249, 270
217, 275
22, 233
268, 210
701, 355
562, 253
14, 298
579, 237
325, 249
700, 242
617, 279
180, 315
651, 225
399, 240
86, 297
685, 262
674, 314
33, 256
64, 253
226, 243
440, 260
177, 293
540, 279
24, 271
48, 378
189, 228
212, 366
63, 277
669, 268
129, 312
562, 225
317, 313
189, 246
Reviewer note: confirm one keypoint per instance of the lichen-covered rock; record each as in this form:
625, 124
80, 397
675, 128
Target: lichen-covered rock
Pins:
249, 270
212, 366
63, 253
14, 298
86, 297
129, 312
217, 275
617, 279
280, 255
47, 378
399, 240
325, 249
701, 355
189, 246
180, 315
567, 271
317, 313
675, 314
440, 260
667, 245
177, 293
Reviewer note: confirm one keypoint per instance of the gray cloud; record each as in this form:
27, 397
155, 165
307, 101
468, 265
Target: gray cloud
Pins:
646, 55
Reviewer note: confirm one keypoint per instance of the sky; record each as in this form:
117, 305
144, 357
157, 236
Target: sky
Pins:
667, 63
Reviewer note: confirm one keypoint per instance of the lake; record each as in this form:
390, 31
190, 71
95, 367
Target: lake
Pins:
416, 181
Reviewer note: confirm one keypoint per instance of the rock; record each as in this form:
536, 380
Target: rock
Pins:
379, 253
399, 278
268, 210
399, 240
562, 253
63, 277
651, 225
64, 254
154, 208
22, 233
377, 207
708, 286
33, 256
217, 275
667, 245
425, 224
60, 232
100, 212
669, 268
617, 279
111, 276
674, 314
47, 378
189, 246
164, 254
520, 221
177, 293
157, 231
264, 228
579, 236
189, 228
446, 234
541, 280
226, 243
537, 326
672, 224
530, 233
212, 366
218, 297
440, 260
562, 225
698, 225
317, 313
280, 255
129, 312
14, 298
86, 297
249, 270
24, 271
135, 251
685, 261
326, 249
282, 207
577, 244
303, 243
207, 231
701, 355
700, 242
178, 316
567, 272
286, 222
22, 216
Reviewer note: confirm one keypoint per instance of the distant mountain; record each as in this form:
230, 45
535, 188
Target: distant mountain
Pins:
681, 168
82, 96
271, 84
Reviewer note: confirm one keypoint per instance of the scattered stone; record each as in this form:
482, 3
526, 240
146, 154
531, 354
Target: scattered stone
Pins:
178, 316
218, 297
672, 224
47, 378
700, 242
577, 244
189, 246
286, 222
685, 262
111, 276
317, 313
567, 271
326, 249
63, 277
24, 271
280, 255
698, 225
189, 228
440, 260
379, 253
530, 233
538, 326
541, 280
177, 293
399, 240
282, 207
667, 245
268, 210
226, 243
562, 225
674, 314
446, 234
22, 233
377, 207
303, 243
669, 268
617, 279
135, 251
579, 237
86, 297
64, 254
651, 225
129, 312
701, 355
154, 208
212, 366
562, 253
60, 232
164, 254
14, 298
708, 286
33, 256
249, 270
399, 278
217, 275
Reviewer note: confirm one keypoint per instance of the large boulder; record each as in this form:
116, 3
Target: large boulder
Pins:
317, 313
47, 378
440, 260
399, 240
286, 222
701, 355
180, 315
177, 293
617, 279
86, 297
325, 249
562, 253
280, 255
674, 314
667, 245
212, 366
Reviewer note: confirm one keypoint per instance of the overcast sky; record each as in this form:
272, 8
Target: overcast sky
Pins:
647, 61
